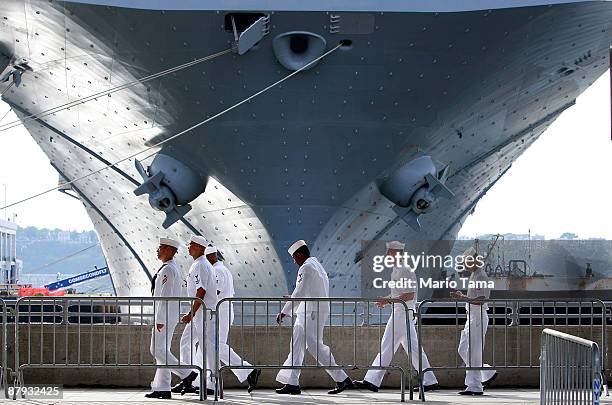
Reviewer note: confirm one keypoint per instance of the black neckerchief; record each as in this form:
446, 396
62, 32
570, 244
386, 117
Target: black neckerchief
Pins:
155, 278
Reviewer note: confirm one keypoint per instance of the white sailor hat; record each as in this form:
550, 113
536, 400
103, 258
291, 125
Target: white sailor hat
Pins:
198, 240
471, 251
169, 242
210, 250
395, 245
292, 249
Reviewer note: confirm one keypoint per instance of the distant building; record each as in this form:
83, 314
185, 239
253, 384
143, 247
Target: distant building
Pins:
63, 236
9, 265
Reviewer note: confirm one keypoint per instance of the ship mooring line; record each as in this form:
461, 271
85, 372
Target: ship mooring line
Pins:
6, 113
61, 259
181, 133
107, 92
7, 89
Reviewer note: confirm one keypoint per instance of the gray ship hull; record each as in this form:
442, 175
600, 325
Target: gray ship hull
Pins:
471, 89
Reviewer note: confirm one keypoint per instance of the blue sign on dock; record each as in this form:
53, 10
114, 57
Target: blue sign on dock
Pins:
67, 282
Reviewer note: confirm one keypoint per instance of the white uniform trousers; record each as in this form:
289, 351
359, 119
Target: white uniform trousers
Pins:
395, 334
227, 355
471, 347
160, 349
193, 334
308, 334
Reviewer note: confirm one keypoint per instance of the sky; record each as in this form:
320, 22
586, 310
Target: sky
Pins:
562, 183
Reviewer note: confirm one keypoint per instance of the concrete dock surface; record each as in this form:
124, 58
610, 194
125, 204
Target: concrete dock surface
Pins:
93, 396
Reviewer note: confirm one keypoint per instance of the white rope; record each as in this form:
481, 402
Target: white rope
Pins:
7, 89
183, 132
124, 86
61, 259
5, 114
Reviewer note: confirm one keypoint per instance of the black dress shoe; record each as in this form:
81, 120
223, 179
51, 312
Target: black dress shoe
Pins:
430, 387
485, 384
252, 378
363, 384
289, 389
189, 389
196, 391
159, 395
347, 384
468, 392
186, 382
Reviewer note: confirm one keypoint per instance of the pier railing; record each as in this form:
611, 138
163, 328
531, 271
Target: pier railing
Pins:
506, 335
102, 332
115, 332
5, 369
570, 370
357, 321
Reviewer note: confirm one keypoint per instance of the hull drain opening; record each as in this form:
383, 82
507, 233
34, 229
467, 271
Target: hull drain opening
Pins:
346, 44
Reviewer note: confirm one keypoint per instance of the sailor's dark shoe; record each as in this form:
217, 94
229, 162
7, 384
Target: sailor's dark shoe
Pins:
178, 388
252, 379
186, 382
159, 395
289, 389
363, 384
468, 392
347, 384
190, 389
430, 387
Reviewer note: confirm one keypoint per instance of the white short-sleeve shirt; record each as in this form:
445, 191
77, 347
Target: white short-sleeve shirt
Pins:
225, 281
480, 290
408, 280
202, 275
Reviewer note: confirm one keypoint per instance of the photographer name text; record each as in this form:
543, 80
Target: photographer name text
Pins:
462, 283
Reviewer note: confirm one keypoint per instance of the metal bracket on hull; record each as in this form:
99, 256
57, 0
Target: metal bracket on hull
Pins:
15, 72
171, 185
424, 199
248, 38
415, 187
334, 23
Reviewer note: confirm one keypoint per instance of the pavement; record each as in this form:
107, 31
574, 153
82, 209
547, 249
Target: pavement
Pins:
94, 396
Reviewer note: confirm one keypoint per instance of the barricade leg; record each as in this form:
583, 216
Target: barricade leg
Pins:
220, 383
202, 373
403, 386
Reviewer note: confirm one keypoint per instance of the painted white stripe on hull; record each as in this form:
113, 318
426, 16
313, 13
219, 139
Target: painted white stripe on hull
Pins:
442, 6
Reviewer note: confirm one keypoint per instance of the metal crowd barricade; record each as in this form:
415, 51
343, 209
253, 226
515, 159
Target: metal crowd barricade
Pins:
570, 369
510, 320
256, 319
5, 369
74, 332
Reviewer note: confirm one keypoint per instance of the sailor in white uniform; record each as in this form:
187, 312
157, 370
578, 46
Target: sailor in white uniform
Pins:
473, 335
201, 283
166, 283
395, 331
312, 282
225, 317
